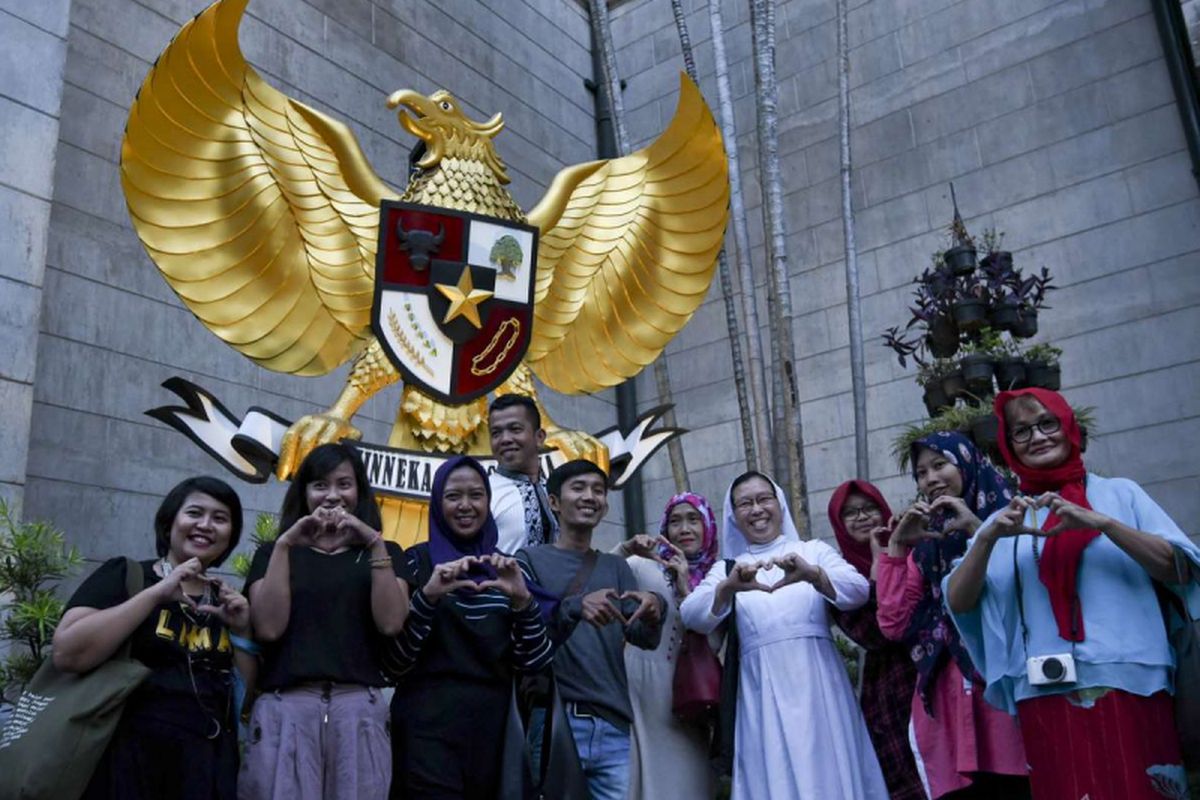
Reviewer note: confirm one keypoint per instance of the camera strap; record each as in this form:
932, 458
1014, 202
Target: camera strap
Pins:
1021, 593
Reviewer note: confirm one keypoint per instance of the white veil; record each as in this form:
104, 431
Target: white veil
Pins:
733, 541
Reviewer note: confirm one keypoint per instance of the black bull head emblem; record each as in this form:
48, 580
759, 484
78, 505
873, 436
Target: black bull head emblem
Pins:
419, 244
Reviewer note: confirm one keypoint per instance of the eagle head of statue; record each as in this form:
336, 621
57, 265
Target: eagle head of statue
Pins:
438, 120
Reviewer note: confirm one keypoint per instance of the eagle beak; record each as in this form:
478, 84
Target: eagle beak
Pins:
408, 100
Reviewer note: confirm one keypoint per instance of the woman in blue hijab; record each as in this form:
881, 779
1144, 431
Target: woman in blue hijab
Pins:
965, 747
474, 624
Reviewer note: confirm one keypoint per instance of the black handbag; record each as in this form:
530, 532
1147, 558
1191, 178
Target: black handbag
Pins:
1184, 636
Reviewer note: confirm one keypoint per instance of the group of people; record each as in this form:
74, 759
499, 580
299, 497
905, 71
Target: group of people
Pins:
1015, 641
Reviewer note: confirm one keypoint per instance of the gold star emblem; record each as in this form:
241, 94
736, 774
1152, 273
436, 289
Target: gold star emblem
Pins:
464, 299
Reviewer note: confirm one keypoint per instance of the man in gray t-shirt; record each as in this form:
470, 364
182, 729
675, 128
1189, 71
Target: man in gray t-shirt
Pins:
589, 663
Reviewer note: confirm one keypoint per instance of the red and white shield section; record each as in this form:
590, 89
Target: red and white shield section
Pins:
414, 336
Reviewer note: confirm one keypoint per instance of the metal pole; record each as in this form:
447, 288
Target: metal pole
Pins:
858, 373
633, 500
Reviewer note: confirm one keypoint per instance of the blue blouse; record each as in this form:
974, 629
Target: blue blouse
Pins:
1125, 645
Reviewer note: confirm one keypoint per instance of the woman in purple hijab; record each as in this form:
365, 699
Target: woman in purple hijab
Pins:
474, 624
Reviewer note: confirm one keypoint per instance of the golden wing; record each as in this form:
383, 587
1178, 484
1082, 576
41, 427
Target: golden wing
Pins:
627, 252
260, 212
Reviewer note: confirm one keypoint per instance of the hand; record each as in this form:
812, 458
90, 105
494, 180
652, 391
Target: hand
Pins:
649, 607
352, 530
1070, 515
170, 588
959, 516
877, 547
676, 567
450, 577
744, 578
911, 526
641, 545
231, 608
795, 570
509, 580
598, 608
1010, 521
305, 435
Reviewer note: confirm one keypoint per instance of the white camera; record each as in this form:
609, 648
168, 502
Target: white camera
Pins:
1052, 669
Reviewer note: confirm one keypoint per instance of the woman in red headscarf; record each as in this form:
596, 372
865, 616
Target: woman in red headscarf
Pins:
1056, 603
859, 514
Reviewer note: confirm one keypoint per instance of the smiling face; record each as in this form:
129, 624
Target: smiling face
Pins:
860, 515
201, 529
515, 439
756, 510
1026, 416
465, 502
685, 529
937, 475
336, 488
582, 501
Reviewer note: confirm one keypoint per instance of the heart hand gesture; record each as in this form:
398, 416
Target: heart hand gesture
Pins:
795, 570
509, 580
450, 577
231, 608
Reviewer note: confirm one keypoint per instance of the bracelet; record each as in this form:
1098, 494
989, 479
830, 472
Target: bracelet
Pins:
381, 562
245, 645
374, 539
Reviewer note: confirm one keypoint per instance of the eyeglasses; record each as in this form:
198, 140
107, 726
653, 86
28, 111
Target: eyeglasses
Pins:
854, 512
747, 503
1047, 426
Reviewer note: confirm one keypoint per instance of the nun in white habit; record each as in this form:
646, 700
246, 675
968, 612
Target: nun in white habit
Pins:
799, 731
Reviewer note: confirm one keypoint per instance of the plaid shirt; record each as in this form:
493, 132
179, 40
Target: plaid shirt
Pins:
888, 680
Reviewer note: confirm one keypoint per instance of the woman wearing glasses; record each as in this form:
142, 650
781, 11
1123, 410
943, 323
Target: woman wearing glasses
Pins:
799, 731
1056, 604
858, 514
966, 748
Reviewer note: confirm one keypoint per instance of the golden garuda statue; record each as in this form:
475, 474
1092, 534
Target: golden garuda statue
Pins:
264, 216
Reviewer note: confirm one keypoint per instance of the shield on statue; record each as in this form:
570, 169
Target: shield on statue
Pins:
453, 297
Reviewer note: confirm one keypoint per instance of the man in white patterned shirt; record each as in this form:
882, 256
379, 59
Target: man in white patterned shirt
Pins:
519, 501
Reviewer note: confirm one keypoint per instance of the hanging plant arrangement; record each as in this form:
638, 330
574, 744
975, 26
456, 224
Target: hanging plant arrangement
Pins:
964, 333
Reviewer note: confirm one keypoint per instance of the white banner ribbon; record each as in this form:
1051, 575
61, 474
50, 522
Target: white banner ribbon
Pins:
249, 447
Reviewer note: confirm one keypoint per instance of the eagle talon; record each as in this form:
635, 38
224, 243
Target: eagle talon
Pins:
305, 435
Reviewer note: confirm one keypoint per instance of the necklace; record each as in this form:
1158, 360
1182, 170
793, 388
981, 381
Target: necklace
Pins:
206, 599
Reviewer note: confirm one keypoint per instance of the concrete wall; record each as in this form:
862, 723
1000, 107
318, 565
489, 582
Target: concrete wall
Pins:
31, 86
1057, 124
111, 330
1054, 119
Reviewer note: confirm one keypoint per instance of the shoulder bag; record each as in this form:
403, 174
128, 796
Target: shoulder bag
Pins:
64, 721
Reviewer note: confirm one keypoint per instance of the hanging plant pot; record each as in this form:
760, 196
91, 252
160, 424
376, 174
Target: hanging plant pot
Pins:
953, 385
1010, 373
985, 430
1043, 375
970, 314
978, 369
1026, 324
1001, 258
942, 338
936, 399
960, 259
1004, 313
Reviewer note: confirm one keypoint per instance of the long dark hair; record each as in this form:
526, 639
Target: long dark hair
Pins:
215, 488
319, 463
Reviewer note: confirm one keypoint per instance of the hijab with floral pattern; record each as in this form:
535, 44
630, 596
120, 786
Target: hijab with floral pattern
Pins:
931, 635
699, 564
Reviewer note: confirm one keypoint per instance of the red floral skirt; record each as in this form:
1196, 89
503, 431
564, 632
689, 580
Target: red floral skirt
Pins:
1115, 746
